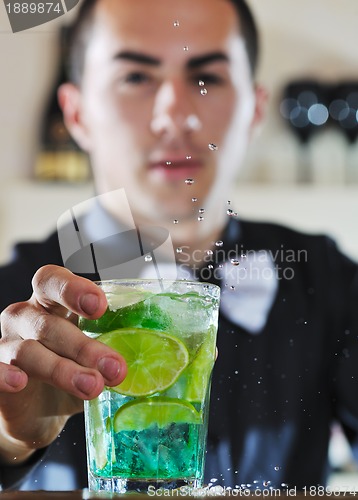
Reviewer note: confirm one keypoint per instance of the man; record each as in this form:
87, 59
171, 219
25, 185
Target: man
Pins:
288, 329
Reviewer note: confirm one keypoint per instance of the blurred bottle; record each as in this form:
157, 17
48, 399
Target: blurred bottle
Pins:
59, 158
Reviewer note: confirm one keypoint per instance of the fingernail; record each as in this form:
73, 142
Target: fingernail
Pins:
14, 378
109, 367
89, 303
84, 383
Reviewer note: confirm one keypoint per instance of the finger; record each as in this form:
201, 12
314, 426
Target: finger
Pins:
41, 364
63, 338
56, 287
12, 379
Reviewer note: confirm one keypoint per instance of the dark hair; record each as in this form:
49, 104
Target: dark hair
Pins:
80, 31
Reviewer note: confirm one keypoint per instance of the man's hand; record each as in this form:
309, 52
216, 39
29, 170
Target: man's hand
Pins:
47, 365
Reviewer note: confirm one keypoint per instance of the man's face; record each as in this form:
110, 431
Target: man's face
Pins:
162, 81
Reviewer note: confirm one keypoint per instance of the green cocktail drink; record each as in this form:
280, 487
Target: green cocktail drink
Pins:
150, 431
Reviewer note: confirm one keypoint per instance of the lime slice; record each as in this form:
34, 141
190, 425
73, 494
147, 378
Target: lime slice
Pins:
198, 375
98, 429
125, 297
195, 379
154, 359
140, 414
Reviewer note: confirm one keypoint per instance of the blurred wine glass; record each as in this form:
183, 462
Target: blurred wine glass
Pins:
304, 106
343, 111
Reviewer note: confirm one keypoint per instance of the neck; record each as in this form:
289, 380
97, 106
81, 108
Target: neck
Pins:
191, 238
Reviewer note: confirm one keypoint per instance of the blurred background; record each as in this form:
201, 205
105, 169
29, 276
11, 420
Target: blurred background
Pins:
302, 169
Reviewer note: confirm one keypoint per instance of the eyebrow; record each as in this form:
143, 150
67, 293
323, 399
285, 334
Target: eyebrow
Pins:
193, 63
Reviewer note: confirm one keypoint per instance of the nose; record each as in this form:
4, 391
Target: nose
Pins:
174, 111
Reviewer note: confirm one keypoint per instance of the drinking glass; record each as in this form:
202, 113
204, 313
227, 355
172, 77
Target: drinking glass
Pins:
150, 431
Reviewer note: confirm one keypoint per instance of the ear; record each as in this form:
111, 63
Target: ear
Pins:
70, 101
261, 98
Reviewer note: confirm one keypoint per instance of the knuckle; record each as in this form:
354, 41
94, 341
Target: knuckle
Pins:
43, 327
22, 350
44, 278
11, 313
64, 290
41, 276
83, 351
59, 368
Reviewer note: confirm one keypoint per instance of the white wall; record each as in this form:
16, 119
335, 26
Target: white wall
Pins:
299, 38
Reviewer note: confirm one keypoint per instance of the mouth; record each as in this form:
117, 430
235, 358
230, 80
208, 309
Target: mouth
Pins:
174, 169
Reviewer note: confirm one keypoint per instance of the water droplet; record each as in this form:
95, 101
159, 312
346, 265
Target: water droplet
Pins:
243, 256
235, 262
213, 479
189, 182
188, 157
201, 210
200, 219
277, 467
179, 250
213, 147
203, 91
201, 83
168, 162
176, 24
194, 200
186, 48
219, 243
175, 221
209, 252
210, 266
236, 372
148, 258
229, 211
220, 266
228, 202
232, 287
266, 483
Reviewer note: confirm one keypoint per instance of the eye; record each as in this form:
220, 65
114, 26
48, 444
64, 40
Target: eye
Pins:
136, 78
208, 79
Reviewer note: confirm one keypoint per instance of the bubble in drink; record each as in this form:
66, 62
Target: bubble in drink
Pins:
175, 221
188, 157
219, 243
179, 250
176, 24
201, 83
194, 200
168, 162
201, 210
189, 182
235, 262
186, 48
148, 258
213, 147
203, 91
200, 219
229, 211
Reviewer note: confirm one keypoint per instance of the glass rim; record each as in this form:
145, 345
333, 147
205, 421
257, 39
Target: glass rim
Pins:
164, 281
